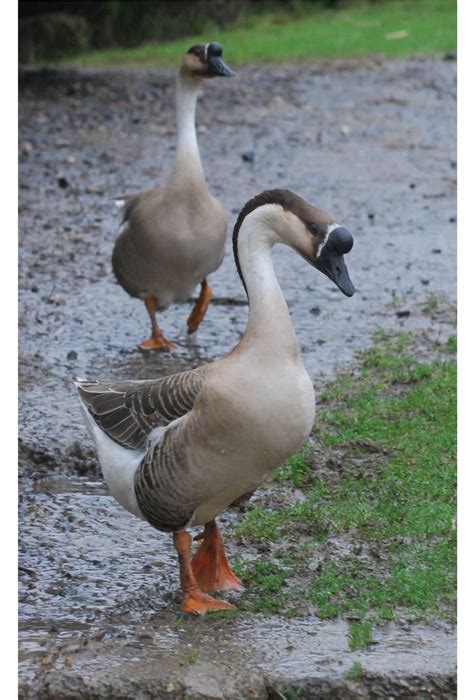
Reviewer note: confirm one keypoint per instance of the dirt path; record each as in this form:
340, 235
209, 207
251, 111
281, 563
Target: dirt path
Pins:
372, 142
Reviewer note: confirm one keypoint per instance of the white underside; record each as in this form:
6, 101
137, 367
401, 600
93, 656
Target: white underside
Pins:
118, 464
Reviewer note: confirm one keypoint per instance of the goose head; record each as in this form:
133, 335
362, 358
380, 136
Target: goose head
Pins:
284, 217
205, 61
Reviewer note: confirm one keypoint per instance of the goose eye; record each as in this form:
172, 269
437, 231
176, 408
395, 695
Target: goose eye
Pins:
313, 228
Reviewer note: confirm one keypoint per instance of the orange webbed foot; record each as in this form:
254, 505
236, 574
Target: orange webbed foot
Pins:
198, 603
210, 566
157, 344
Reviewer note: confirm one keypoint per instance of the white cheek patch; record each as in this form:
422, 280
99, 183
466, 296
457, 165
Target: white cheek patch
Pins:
330, 229
205, 52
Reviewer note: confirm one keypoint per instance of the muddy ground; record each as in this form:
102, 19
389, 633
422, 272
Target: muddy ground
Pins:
371, 141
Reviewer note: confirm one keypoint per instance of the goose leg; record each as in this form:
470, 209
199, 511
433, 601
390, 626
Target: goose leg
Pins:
200, 307
195, 601
210, 565
157, 341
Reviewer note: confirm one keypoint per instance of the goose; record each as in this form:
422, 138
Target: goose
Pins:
178, 450
173, 237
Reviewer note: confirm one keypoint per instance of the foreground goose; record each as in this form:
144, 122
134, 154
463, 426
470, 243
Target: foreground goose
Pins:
177, 451
173, 237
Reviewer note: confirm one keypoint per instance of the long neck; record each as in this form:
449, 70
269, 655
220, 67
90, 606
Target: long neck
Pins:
188, 165
269, 323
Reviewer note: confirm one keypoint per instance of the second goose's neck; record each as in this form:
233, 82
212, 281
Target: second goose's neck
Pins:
188, 161
269, 322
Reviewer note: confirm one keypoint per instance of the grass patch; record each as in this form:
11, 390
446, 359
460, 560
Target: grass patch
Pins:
360, 635
192, 657
396, 28
370, 532
356, 671
296, 469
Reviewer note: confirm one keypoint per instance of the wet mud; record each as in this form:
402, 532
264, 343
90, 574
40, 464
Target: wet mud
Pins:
372, 142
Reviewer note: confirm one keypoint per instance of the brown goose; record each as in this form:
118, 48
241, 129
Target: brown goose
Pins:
173, 237
178, 450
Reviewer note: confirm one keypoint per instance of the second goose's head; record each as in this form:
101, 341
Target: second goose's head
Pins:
205, 61
284, 217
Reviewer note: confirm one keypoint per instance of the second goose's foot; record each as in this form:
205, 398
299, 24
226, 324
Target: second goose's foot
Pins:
210, 565
200, 307
195, 601
157, 340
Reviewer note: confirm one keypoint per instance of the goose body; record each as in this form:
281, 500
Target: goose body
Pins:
178, 450
146, 264
173, 237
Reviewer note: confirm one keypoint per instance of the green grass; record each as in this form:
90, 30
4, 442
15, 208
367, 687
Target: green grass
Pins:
396, 28
377, 539
360, 635
356, 671
192, 657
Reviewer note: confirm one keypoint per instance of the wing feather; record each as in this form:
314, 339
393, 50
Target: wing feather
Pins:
128, 411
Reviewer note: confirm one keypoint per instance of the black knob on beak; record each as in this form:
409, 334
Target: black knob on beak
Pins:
341, 240
214, 49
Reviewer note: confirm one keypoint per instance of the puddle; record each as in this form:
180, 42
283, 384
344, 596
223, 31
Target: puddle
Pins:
69, 484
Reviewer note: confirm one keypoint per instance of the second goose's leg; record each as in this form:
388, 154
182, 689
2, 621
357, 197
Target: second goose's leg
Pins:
195, 601
200, 307
210, 565
157, 341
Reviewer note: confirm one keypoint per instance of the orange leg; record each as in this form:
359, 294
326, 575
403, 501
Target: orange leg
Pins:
157, 341
210, 565
195, 601
200, 307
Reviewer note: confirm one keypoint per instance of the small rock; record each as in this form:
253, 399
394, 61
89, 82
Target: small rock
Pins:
248, 156
62, 182
401, 34
452, 219
94, 190
436, 251
345, 130
450, 56
72, 355
71, 160
412, 185
27, 148
403, 314
315, 310
425, 283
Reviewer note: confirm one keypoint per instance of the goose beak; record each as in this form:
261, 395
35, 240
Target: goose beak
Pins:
330, 261
216, 67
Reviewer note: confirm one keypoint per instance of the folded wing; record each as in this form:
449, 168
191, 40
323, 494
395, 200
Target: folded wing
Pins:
127, 411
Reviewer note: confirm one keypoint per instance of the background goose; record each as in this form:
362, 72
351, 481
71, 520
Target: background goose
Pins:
173, 237
178, 450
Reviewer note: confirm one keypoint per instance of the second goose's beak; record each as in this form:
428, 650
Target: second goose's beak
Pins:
215, 64
330, 259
